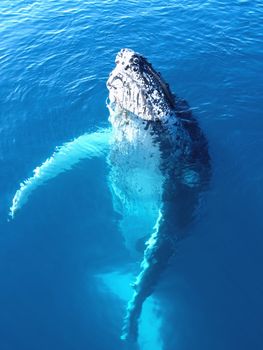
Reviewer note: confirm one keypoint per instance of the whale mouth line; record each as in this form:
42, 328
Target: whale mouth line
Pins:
110, 84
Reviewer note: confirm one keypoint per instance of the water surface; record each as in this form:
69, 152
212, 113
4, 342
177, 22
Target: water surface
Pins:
55, 57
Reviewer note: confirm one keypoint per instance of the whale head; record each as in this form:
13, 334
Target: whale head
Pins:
134, 86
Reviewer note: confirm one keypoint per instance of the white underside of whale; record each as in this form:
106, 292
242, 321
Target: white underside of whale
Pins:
135, 179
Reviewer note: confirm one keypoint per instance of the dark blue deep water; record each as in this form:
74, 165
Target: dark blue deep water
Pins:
55, 57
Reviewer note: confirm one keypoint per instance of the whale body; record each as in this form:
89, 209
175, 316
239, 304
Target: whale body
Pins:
159, 164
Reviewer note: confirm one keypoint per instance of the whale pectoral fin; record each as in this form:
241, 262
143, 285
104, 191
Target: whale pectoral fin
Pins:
159, 249
176, 214
64, 158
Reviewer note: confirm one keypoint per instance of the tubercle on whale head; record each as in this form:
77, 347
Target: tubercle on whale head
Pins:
135, 86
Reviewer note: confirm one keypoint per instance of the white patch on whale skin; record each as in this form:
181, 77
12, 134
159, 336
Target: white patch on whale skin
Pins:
190, 178
64, 158
135, 177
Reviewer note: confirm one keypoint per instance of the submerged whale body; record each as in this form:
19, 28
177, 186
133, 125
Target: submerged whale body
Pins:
158, 165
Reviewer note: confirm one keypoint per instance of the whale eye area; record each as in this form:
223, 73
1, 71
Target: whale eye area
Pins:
135, 60
135, 63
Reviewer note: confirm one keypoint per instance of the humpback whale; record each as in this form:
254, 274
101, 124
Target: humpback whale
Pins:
159, 164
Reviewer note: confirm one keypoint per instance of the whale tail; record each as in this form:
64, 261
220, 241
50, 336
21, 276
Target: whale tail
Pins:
64, 158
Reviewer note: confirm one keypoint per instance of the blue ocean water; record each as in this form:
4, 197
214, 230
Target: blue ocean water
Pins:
55, 57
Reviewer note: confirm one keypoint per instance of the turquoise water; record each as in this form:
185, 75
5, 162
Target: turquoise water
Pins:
64, 269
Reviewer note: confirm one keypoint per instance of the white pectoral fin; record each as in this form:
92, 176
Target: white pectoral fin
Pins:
64, 158
159, 249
